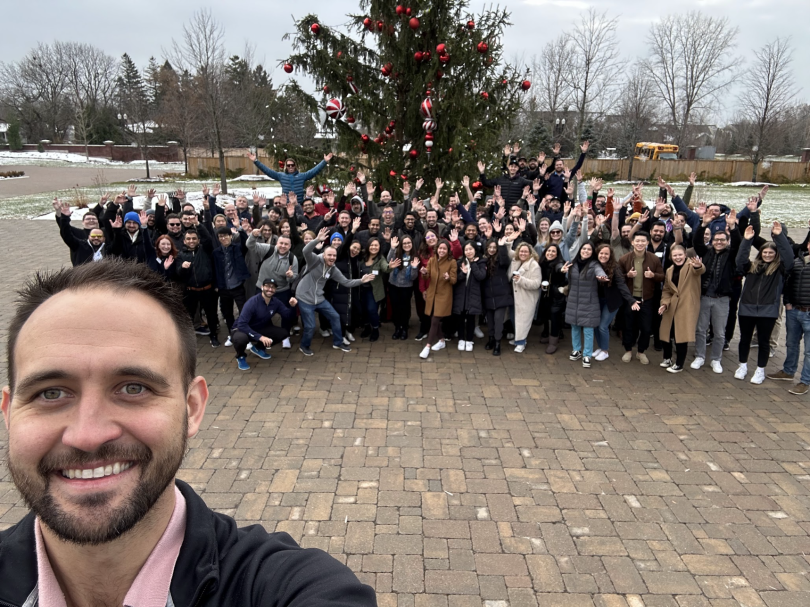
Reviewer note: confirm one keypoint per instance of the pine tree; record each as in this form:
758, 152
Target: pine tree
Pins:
589, 133
539, 138
135, 103
392, 57
14, 139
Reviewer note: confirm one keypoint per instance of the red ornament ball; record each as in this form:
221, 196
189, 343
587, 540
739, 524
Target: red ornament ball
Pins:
400, 9
350, 119
441, 49
349, 78
470, 24
485, 95
525, 85
404, 177
413, 23
477, 185
365, 138
325, 88
428, 136
368, 23
444, 59
418, 56
483, 47
316, 29
413, 153
380, 26
449, 150
281, 164
439, 74
288, 68
392, 172
408, 12
339, 54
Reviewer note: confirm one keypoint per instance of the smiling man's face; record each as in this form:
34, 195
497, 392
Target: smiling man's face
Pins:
99, 417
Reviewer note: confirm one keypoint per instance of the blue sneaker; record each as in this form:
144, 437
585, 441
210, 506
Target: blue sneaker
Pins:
242, 363
260, 352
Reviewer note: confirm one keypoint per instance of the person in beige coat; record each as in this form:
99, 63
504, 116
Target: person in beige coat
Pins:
680, 306
441, 272
526, 279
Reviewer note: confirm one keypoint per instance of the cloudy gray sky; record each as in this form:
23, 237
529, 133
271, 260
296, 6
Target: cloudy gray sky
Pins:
146, 27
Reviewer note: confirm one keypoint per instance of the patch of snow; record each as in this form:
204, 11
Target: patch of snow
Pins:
7, 157
751, 184
252, 178
20, 177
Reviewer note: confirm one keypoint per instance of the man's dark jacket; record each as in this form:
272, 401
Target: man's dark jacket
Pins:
219, 564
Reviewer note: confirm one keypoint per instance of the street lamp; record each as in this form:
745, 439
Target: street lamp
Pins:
122, 119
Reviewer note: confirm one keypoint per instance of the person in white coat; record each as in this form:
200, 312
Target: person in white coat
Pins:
526, 279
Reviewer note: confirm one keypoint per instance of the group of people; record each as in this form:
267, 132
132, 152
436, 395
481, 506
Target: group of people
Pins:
547, 248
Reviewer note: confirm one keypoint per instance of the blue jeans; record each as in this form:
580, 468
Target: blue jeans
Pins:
798, 326
308, 318
603, 332
576, 339
370, 307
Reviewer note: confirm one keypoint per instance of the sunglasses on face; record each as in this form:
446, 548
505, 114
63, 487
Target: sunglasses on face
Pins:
290, 166
173, 225
555, 232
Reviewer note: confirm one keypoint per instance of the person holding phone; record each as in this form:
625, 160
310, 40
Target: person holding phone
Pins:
467, 301
372, 293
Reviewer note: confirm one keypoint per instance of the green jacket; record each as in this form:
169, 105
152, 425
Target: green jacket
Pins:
381, 266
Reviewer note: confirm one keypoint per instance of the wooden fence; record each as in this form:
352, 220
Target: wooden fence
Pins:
673, 170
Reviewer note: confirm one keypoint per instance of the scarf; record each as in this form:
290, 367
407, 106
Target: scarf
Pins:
97, 254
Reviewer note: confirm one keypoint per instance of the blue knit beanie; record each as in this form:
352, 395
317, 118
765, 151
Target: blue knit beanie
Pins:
132, 216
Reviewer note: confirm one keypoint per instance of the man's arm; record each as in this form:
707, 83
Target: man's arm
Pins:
314, 170
263, 248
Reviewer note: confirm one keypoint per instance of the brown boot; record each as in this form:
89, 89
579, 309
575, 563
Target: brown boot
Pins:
552, 345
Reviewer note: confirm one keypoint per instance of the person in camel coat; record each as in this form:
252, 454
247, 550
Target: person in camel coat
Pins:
441, 276
680, 306
526, 279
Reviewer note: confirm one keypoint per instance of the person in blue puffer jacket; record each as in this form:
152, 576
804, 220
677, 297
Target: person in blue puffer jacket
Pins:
291, 180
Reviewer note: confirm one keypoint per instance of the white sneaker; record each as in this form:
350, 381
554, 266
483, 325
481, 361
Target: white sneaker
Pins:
759, 376
479, 333
697, 363
642, 358
439, 345
469, 346
511, 342
597, 352
602, 355
325, 332
666, 363
741, 371
716, 366
461, 345
627, 356
510, 336
349, 336
425, 352
519, 348
228, 342
286, 343
346, 341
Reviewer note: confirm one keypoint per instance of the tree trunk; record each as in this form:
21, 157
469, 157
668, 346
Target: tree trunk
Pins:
630, 168
185, 158
754, 172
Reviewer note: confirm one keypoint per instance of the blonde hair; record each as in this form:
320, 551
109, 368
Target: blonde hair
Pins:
532, 253
759, 263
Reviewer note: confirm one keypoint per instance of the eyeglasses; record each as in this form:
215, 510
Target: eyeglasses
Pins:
173, 225
290, 166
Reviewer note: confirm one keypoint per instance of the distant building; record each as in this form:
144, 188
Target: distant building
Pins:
3, 131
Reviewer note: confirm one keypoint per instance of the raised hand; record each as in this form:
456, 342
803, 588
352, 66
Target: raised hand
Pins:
205, 191
394, 240
290, 209
104, 198
695, 261
328, 156
465, 181
610, 193
142, 216
453, 235
395, 263
323, 234
310, 191
117, 222
355, 224
556, 149
579, 175
481, 166
775, 231
439, 183
763, 191
289, 272
566, 267
217, 190
415, 263
496, 225
405, 189
370, 188
731, 219
245, 225
256, 233
361, 177
700, 209
531, 200
292, 197
251, 156
516, 147
584, 147
419, 183
692, 178
162, 200
541, 158
150, 194
645, 216
167, 263
180, 194
131, 191
521, 225
567, 174
749, 232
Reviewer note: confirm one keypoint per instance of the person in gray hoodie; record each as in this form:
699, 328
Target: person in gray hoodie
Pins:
281, 266
309, 292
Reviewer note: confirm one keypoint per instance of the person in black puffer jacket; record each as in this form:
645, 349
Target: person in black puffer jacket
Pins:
762, 290
498, 295
467, 300
511, 185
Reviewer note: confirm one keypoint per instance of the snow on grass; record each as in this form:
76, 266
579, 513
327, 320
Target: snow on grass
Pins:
18, 177
48, 158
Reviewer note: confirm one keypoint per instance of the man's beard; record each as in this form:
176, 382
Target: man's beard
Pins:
626, 244
104, 524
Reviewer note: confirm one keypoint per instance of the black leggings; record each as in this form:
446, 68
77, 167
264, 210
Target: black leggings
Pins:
436, 332
680, 348
465, 325
401, 304
424, 319
764, 328
495, 322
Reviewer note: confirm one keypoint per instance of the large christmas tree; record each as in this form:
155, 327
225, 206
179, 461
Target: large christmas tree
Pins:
419, 88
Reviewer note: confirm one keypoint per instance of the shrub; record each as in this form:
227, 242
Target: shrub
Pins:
12, 174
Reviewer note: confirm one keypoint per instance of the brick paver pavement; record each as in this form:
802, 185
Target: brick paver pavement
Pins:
468, 480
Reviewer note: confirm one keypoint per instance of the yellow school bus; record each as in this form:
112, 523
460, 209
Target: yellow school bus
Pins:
656, 151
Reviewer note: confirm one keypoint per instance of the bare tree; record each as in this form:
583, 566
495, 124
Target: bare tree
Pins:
768, 93
691, 62
549, 73
178, 110
636, 113
594, 64
201, 51
90, 84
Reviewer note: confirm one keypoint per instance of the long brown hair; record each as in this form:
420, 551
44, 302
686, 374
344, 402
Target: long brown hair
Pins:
173, 252
758, 264
610, 266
